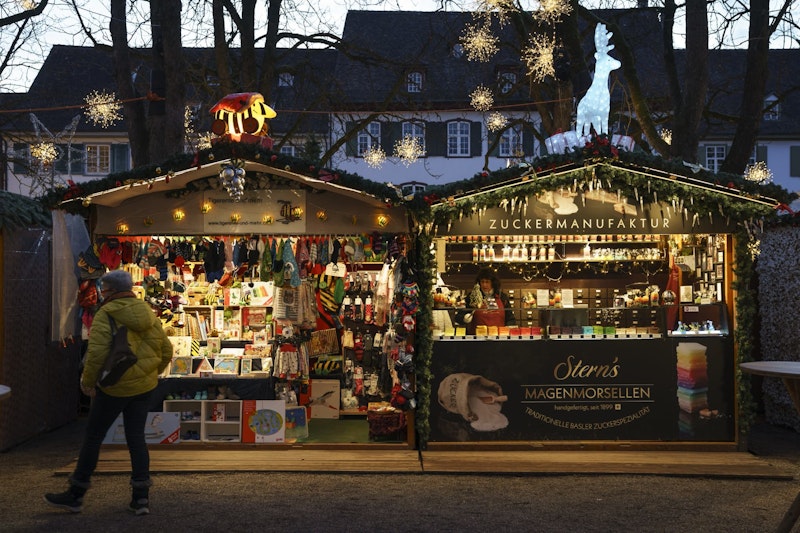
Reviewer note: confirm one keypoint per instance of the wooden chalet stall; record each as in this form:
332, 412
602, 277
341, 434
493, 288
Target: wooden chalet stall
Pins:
628, 284
224, 385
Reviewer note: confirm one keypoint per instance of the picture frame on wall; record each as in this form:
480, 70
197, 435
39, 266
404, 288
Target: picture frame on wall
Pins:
181, 366
687, 296
226, 365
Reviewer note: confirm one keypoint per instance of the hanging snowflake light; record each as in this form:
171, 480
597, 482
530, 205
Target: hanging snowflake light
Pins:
203, 140
479, 43
27, 5
500, 8
45, 152
102, 108
496, 121
666, 136
481, 98
409, 149
374, 156
552, 10
231, 176
758, 172
538, 56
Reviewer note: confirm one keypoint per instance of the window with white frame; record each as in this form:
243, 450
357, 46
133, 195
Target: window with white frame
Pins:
772, 109
506, 80
288, 149
511, 142
414, 82
285, 79
415, 130
715, 155
369, 137
458, 139
98, 158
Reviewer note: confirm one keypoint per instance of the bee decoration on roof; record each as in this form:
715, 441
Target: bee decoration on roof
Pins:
243, 117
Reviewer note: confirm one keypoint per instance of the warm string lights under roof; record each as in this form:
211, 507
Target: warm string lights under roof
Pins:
102, 108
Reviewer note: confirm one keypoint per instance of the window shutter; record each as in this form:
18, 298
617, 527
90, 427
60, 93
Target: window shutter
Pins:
701, 155
78, 159
527, 142
475, 139
794, 161
761, 153
20, 158
391, 132
119, 158
351, 145
436, 139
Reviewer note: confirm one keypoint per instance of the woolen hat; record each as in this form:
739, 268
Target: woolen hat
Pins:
117, 281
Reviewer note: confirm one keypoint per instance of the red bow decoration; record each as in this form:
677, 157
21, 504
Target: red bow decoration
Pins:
784, 207
429, 199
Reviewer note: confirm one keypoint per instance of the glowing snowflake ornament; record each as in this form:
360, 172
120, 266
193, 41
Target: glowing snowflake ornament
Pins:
45, 152
374, 156
102, 108
758, 173
552, 10
409, 149
481, 99
538, 56
479, 43
496, 121
666, 135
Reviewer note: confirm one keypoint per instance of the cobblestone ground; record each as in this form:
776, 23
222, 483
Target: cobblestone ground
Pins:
233, 502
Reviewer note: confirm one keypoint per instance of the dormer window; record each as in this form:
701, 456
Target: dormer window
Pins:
506, 80
285, 79
414, 81
458, 50
772, 109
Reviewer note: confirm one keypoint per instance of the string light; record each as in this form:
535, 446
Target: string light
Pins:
538, 56
479, 43
758, 172
102, 108
552, 10
409, 149
496, 121
481, 98
374, 156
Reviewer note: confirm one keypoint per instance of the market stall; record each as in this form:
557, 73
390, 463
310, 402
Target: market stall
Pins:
621, 281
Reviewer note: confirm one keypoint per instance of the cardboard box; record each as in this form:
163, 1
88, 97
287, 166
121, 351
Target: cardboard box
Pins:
160, 428
263, 421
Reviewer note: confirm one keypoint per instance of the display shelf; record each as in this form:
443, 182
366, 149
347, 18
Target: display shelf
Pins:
211, 420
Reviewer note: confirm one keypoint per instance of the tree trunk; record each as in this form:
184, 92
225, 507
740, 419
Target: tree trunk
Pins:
221, 50
166, 118
266, 82
134, 111
685, 137
755, 82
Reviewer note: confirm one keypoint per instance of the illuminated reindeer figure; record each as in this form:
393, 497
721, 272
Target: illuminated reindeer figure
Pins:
594, 107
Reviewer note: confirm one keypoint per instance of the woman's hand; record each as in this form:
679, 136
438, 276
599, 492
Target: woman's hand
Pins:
88, 391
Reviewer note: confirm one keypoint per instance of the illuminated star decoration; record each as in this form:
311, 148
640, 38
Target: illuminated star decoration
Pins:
758, 172
552, 10
666, 135
45, 152
481, 99
496, 121
538, 56
408, 150
479, 43
374, 156
102, 108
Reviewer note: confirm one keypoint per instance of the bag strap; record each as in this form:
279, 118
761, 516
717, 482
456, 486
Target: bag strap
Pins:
113, 325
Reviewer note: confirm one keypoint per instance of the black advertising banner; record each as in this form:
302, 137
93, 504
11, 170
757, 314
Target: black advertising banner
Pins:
594, 213
632, 389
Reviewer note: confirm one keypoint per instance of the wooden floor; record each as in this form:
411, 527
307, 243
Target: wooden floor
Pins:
404, 460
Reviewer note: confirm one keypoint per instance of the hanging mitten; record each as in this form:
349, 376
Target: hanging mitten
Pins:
303, 258
265, 267
335, 251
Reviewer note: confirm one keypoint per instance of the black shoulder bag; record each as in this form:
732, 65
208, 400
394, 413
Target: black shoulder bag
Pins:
119, 359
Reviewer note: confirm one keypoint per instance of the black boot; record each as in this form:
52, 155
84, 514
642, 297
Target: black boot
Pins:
140, 501
69, 500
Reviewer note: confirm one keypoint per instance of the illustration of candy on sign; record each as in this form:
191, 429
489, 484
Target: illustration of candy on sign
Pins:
265, 422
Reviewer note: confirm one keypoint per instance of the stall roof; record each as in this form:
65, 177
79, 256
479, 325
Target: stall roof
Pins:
180, 179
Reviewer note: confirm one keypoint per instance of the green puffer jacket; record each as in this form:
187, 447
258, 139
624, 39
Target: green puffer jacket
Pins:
146, 338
